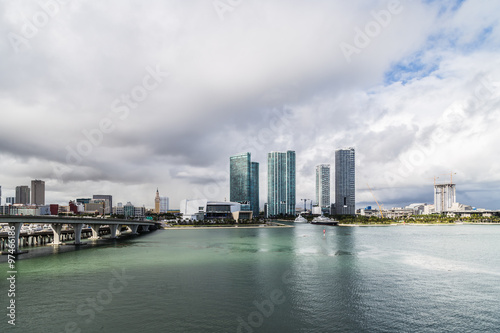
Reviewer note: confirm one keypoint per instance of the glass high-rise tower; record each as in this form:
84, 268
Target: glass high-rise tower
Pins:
281, 183
323, 186
345, 182
244, 182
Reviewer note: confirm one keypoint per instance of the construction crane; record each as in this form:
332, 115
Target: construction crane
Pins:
451, 176
379, 206
435, 177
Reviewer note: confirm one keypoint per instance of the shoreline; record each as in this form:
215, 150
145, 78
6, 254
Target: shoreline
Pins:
249, 226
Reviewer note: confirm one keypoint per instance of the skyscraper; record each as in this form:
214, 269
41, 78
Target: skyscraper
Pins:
254, 189
108, 208
323, 186
281, 183
244, 182
157, 202
345, 182
0, 195
163, 205
22, 195
38, 192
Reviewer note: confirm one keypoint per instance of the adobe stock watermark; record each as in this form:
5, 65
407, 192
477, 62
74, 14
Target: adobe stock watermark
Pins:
32, 26
372, 29
97, 302
452, 118
223, 6
119, 111
278, 122
266, 308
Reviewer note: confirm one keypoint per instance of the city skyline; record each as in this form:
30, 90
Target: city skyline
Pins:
417, 96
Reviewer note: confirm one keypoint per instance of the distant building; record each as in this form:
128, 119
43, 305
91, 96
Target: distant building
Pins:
345, 182
128, 210
201, 209
10, 200
108, 202
244, 181
139, 211
0, 195
163, 205
38, 192
54, 209
22, 195
95, 206
444, 197
157, 202
323, 187
83, 201
281, 183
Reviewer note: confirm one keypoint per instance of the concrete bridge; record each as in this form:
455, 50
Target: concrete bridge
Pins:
56, 224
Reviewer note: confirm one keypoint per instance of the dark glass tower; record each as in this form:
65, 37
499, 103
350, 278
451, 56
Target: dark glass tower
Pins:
345, 182
244, 182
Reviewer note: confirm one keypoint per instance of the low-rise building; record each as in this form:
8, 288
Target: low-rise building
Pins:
201, 209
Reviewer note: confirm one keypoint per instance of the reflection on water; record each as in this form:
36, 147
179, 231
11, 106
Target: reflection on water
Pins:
394, 279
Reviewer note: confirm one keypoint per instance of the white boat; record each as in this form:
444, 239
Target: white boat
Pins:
324, 220
300, 219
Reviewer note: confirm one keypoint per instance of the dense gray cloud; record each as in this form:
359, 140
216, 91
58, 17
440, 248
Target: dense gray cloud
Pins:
124, 97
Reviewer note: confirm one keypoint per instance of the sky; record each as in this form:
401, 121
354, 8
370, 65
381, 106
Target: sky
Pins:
124, 97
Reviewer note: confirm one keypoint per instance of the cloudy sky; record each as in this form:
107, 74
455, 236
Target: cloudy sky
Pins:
121, 97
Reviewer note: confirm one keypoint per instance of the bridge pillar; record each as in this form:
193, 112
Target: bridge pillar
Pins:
133, 228
17, 231
56, 228
95, 231
113, 230
145, 228
77, 227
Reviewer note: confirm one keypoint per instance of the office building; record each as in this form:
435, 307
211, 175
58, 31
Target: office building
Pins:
244, 182
323, 187
281, 183
0, 195
38, 192
108, 202
444, 197
22, 195
345, 182
163, 205
10, 200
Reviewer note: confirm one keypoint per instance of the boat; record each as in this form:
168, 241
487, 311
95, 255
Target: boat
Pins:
324, 220
300, 219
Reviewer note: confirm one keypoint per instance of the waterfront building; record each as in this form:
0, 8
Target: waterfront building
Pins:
444, 197
281, 183
108, 200
157, 202
323, 187
244, 182
10, 200
163, 205
345, 182
38, 192
201, 209
22, 195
